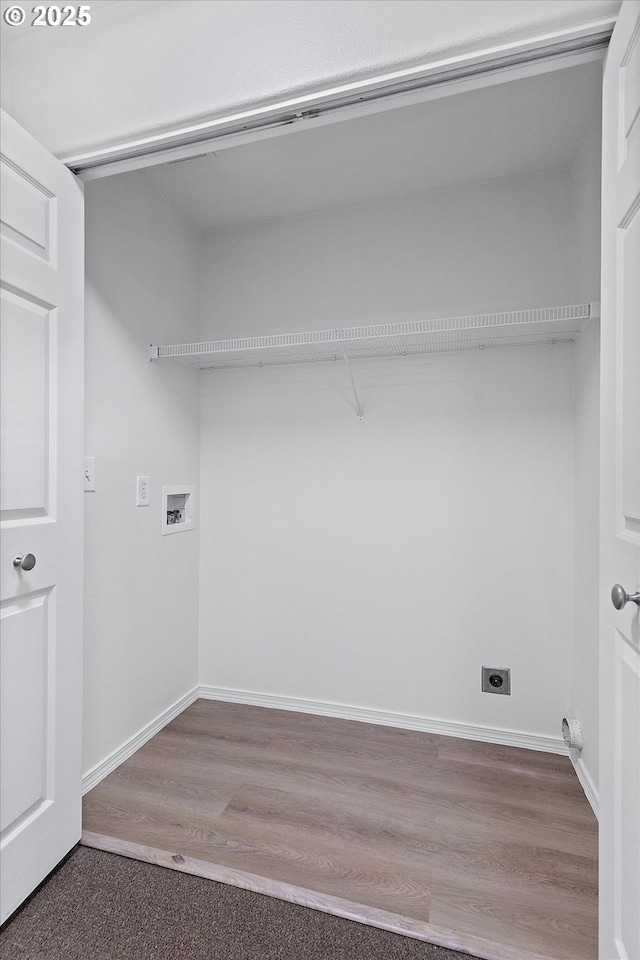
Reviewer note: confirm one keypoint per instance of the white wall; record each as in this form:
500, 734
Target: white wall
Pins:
381, 564
144, 66
496, 246
586, 220
141, 589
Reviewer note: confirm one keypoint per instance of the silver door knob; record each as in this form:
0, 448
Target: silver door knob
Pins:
26, 562
619, 596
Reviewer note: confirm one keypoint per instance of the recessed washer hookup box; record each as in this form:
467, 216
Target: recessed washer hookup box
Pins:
177, 508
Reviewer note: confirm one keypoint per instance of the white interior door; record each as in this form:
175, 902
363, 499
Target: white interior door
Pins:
41, 512
620, 511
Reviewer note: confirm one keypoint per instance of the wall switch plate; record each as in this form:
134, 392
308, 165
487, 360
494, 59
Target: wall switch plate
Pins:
143, 491
89, 474
496, 680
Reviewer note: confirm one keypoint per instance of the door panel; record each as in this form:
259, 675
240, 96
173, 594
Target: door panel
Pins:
41, 290
27, 214
630, 351
620, 494
627, 821
26, 650
26, 407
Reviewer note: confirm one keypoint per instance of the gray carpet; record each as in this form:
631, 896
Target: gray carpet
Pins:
97, 906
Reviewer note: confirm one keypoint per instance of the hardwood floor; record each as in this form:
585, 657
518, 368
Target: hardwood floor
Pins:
478, 847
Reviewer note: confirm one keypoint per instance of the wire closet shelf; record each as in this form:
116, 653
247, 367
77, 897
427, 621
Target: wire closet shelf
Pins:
539, 325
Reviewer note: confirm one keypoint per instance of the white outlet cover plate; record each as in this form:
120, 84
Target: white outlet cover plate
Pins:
143, 491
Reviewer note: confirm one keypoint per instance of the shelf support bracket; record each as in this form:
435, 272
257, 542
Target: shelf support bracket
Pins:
356, 397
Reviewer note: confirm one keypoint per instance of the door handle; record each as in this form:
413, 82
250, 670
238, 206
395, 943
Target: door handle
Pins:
26, 562
619, 596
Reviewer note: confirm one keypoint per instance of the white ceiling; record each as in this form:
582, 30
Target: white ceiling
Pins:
507, 130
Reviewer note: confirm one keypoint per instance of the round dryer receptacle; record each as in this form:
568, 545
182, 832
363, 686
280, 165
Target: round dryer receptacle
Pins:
572, 733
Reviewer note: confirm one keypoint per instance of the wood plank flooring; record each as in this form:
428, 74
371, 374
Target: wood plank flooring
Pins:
482, 848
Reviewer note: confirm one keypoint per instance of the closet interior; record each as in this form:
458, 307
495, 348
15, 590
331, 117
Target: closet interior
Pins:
369, 348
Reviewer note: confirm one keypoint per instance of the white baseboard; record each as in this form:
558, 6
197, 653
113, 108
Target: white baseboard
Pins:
466, 731
589, 787
105, 767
